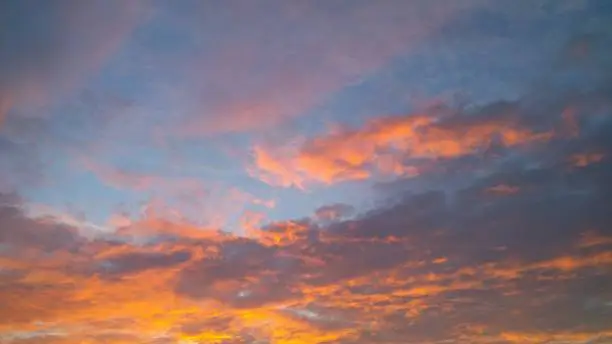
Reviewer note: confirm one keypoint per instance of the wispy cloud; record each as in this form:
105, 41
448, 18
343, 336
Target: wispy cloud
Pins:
50, 49
260, 76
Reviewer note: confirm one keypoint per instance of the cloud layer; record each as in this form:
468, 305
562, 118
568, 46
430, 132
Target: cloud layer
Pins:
172, 172
521, 255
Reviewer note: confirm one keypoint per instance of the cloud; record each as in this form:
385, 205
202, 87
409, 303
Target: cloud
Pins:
260, 76
503, 189
50, 49
419, 143
582, 160
273, 170
498, 255
334, 211
124, 264
421, 267
23, 233
139, 181
50, 52
463, 264
177, 196
398, 145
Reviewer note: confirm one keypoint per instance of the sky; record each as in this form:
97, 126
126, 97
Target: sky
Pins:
305, 172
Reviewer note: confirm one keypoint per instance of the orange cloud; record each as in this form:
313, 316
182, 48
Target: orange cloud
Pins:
537, 337
591, 239
251, 221
583, 160
498, 275
272, 170
281, 233
386, 146
132, 297
503, 189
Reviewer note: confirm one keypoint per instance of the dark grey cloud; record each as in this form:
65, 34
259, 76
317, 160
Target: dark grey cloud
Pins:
245, 274
19, 232
134, 262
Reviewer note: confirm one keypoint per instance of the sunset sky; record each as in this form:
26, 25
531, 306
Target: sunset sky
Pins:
305, 172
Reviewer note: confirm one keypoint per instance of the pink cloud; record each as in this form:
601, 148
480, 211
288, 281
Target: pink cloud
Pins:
188, 199
269, 70
333, 212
